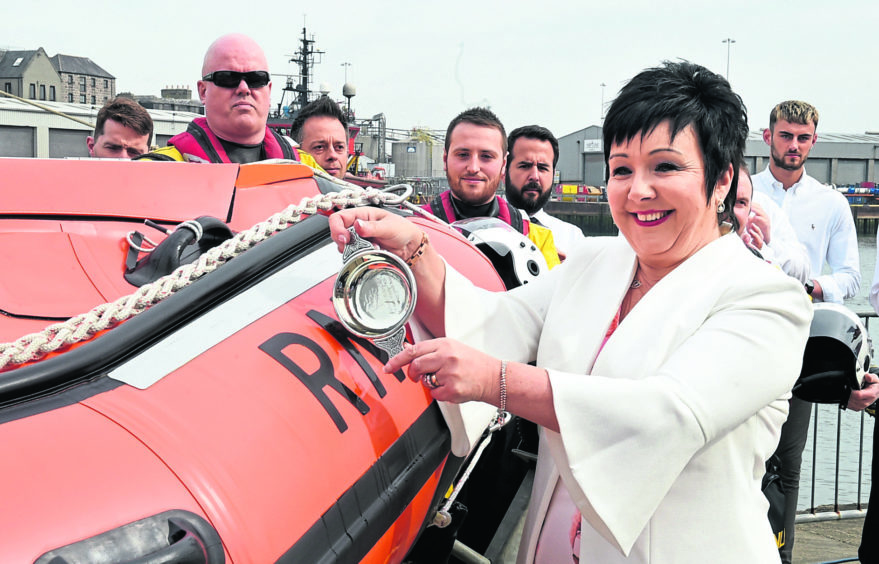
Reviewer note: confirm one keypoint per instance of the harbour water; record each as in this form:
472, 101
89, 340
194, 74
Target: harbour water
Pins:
849, 423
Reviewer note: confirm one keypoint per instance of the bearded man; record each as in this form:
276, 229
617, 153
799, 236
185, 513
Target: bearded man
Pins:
534, 154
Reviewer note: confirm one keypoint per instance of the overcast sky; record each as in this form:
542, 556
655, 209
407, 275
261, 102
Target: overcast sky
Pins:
420, 63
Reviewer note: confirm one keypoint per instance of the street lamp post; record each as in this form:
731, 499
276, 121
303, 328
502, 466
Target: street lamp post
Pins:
602, 100
729, 41
346, 65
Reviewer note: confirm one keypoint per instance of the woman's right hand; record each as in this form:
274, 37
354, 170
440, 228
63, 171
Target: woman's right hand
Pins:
389, 231
404, 239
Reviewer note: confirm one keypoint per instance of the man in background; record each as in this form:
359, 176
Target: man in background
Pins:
123, 130
819, 214
823, 222
236, 90
474, 159
534, 154
321, 130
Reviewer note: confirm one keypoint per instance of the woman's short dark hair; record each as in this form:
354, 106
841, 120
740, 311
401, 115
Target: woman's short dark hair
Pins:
685, 94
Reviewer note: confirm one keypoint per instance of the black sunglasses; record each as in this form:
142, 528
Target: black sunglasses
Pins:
231, 79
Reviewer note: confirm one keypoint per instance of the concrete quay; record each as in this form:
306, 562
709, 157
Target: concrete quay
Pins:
828, 541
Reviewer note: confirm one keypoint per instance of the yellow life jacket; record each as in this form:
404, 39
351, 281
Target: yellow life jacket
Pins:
171, 153
542, 238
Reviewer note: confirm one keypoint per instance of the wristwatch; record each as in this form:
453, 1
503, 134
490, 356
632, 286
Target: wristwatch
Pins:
810, 287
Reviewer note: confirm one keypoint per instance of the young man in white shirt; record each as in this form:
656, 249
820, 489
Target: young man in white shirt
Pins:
819, 214
823, 223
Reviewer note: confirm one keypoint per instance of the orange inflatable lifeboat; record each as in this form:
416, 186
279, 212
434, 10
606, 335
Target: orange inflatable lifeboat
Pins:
235, 420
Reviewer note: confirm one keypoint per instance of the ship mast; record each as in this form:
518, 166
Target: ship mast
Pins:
305, 58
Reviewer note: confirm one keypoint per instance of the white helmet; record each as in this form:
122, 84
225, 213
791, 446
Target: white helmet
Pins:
515, 257
837, 355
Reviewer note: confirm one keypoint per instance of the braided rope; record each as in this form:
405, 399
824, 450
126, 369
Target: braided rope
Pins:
82, 327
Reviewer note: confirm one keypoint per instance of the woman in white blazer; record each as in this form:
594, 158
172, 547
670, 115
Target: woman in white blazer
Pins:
663, 358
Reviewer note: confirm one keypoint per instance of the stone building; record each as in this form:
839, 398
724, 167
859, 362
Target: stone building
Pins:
172, 98
34, 75
30, 74
84, 81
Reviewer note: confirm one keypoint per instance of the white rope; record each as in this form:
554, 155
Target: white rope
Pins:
105, 316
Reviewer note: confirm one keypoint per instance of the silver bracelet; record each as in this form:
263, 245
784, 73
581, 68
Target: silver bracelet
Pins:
503, 404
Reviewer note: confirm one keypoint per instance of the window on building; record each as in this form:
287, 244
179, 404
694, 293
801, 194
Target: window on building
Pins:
52, 93
105, 98
17, 61
42, 92
82, 98
93, 82
69, 79
94, 100
8, 87
106, 83
32, 91
70, 97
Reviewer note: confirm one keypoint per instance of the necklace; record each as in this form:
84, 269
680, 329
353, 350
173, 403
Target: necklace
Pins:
641, 281
632, 298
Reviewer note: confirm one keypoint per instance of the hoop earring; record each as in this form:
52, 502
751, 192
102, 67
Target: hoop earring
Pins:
721, 208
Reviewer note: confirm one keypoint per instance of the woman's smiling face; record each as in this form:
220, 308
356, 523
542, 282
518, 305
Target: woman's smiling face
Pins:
656, 192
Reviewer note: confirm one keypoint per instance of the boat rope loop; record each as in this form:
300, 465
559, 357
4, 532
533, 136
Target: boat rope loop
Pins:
105, 316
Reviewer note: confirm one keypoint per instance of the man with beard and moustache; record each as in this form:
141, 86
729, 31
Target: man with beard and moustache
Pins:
534, 154
474, 159
819, 214
823, 223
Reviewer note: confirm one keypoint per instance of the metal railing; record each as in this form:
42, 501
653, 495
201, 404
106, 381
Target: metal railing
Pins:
847, 509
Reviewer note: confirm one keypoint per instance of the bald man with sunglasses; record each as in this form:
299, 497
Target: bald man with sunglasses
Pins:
236, 90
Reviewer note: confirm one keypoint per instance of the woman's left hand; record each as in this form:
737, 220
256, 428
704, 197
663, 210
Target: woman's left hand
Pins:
460, 373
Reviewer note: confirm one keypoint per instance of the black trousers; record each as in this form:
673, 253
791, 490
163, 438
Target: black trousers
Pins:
868, 552
790, 452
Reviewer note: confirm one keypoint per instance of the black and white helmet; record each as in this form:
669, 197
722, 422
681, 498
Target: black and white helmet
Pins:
837, 355
515, 257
